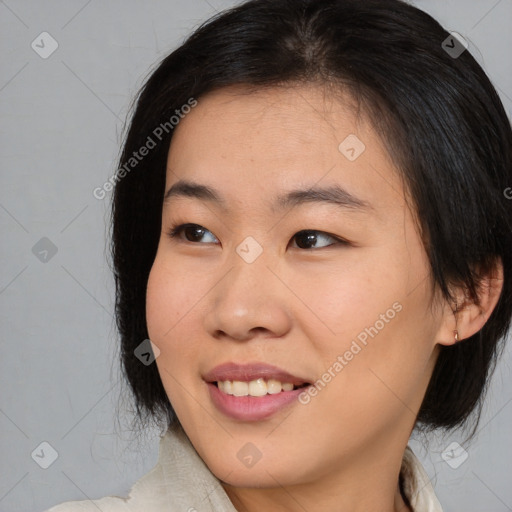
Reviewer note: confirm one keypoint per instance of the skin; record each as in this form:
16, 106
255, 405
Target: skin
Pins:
297, 308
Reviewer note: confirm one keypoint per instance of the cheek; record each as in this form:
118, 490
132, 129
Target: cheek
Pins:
383, 331
159, 312
169, 297
384, 369
346, 300
167, 303
173, 312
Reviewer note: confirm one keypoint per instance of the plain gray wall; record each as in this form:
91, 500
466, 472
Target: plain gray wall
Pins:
62, 118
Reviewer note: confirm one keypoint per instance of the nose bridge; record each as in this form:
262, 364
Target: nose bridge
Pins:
250, 297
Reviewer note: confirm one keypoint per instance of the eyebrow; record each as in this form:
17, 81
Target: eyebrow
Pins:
333, 194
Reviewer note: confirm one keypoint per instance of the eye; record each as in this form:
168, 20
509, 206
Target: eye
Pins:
196, 232
309, 237
306, 239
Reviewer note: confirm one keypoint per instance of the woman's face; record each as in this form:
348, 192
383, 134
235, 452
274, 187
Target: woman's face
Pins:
346, 304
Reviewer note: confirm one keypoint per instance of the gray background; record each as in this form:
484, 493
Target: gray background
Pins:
62, 119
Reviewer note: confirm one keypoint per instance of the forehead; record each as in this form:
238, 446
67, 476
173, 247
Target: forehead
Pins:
253, 144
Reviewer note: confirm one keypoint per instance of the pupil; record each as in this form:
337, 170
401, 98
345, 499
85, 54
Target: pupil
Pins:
198, 233
309, 236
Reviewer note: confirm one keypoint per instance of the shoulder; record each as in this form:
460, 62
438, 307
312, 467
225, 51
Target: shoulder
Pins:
146, 494
179, 481
417, 485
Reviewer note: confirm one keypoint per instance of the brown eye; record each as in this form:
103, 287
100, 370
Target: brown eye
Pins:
307, 238
193, 232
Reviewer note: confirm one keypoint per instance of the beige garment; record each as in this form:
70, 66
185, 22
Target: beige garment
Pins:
181, 482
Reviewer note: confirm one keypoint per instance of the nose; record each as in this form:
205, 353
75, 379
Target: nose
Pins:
248, 301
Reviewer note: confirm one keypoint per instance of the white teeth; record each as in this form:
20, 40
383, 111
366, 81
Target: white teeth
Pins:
240, 388
273, 387
258, 387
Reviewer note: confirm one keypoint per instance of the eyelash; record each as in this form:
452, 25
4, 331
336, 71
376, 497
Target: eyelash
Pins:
176, 229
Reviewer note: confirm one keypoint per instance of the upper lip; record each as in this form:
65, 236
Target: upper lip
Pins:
251, 371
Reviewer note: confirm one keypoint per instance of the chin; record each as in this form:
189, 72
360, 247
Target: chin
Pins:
262, 474
252, 478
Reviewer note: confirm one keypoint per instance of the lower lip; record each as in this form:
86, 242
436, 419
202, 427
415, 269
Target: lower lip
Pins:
251, 408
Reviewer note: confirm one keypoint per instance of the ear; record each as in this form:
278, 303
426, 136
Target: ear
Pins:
465, 317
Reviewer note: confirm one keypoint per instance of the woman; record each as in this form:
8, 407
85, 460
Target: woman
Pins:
310, 224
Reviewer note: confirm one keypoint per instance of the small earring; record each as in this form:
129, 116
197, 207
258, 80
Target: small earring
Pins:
456, 335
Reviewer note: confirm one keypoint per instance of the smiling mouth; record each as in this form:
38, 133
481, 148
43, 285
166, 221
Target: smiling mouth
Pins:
257, 387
